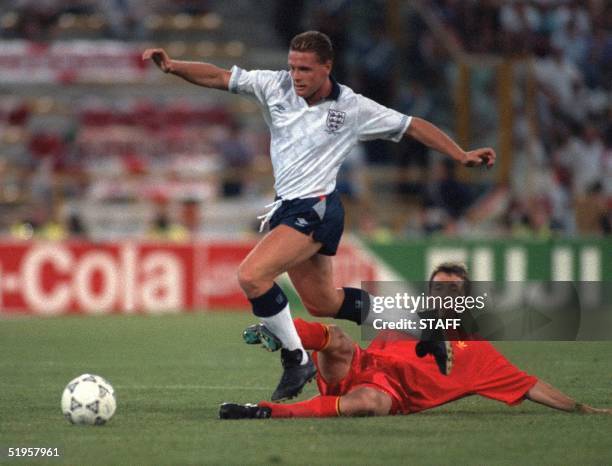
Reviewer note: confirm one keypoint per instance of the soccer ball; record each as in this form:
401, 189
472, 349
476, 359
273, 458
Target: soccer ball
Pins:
89, 400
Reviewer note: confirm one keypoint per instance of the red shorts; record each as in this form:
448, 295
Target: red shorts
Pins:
415, 384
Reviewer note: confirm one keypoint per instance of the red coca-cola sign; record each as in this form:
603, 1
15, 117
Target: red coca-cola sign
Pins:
53, 278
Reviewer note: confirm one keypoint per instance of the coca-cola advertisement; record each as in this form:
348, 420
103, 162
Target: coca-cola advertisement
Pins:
55, 278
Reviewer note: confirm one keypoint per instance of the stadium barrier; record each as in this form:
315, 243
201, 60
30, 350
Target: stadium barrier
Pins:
575, 259
131, 277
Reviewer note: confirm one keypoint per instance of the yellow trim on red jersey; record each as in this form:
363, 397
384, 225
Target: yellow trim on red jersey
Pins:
327, 337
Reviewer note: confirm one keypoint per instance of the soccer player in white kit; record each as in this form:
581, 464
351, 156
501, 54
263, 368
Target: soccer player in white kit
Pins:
314, 123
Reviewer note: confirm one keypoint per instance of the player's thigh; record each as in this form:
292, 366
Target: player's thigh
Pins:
335, 360
366, 401
314, 282
278, 251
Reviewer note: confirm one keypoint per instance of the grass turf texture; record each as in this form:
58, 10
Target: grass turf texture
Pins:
170, 374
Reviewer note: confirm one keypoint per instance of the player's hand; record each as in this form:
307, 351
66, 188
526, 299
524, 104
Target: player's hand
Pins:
479, 157
160, 57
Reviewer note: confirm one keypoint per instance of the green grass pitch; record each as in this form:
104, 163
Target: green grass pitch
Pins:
170, 374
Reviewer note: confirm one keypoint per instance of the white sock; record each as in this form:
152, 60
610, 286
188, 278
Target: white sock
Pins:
282, 326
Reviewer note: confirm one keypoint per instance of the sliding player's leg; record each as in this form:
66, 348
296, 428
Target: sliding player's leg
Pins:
334, 347
280, 250
335, 351
313, 280
361, 401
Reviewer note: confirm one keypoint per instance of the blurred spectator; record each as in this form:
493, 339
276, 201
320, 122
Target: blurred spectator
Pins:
519, 19
37, 18
190, 215
41, 223
583, 158
558, 79
415, 99
594, 214
162, 228
374, 65
563, 14
352, 186
45, 144
19, 114
446, 198
446, 192
76, 228
573, 41
350, 181
124, 18
236, 159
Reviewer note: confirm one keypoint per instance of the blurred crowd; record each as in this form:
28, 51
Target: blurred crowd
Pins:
44, 20
178, 155
562, 173
172, 156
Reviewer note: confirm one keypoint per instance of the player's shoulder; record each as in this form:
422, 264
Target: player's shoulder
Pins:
279, 75
348, 99
269, 75
347, 94
354, 99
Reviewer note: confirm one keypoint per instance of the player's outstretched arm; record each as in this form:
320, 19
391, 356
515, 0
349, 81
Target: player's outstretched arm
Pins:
548, 395
202, 74
434, 137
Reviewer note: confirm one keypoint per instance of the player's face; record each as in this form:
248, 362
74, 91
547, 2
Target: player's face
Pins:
447, 284
308, 74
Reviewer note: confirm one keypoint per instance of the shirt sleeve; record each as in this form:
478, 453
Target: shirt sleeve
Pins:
255, 83
376, 121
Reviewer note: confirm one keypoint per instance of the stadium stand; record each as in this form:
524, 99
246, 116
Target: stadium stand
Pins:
90, 136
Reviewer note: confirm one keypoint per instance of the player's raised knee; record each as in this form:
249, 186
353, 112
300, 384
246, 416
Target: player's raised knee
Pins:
338, 340
249, 279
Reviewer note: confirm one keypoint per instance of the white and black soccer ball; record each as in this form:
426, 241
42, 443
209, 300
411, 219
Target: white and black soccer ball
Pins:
88, 400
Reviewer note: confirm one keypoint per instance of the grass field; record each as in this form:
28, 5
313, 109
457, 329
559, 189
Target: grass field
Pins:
170, 374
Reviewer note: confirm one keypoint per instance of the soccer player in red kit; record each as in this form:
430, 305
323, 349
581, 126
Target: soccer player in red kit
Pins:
389, 377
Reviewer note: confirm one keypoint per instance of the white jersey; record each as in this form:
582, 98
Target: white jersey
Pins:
309, 143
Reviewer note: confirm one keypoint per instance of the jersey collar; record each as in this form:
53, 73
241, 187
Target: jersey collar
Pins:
335, 92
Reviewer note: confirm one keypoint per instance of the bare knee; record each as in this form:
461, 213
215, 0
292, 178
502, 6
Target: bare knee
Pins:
246, 278
252, 282
336, 358
339, 342
365, 401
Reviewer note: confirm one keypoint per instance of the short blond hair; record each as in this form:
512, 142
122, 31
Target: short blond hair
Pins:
314, 41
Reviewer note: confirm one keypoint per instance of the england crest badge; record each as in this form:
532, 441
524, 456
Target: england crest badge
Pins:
335, 120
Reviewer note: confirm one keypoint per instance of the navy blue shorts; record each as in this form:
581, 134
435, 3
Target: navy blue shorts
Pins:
322, 217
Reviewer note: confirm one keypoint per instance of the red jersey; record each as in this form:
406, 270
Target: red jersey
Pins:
390, 364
